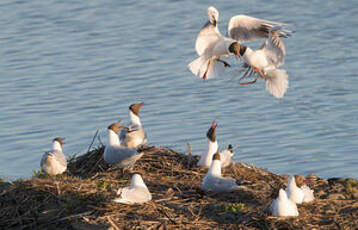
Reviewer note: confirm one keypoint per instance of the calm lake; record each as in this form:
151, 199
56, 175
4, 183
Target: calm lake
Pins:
69, 68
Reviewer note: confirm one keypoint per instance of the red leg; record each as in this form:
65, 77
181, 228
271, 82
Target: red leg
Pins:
257, 70
206, 71
250, 82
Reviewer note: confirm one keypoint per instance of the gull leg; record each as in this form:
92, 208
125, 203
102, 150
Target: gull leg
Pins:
248, 73
250, 82
257, 70
206, 71
224, 62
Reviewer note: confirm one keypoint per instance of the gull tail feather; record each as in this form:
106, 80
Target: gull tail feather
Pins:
276, 82
204, 67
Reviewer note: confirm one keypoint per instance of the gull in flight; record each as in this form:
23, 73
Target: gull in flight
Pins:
265, 62
225, 155
54, 162
134, 135
212, 46
136, 193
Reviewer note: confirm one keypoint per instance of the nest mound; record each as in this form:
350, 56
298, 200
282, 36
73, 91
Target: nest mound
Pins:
81, 198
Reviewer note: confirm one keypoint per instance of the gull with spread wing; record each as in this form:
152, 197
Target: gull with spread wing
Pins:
265, 62
211, 46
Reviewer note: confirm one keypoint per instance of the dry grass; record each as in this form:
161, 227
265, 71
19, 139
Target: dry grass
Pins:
80, 199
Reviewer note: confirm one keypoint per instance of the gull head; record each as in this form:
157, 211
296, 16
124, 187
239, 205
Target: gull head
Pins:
60, 140
235, 49
115, 126
230, 148
216, 156
213, 15
211, 134
136, 107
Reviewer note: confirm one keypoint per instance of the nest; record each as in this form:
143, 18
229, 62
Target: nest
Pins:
81, 198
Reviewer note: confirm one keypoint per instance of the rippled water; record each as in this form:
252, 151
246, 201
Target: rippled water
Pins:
69, 68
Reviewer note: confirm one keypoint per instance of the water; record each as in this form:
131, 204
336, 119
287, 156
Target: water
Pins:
69, 68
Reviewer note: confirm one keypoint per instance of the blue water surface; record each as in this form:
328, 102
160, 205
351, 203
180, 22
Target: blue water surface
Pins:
69, 68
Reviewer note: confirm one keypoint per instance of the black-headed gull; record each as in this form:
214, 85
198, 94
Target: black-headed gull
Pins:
296, 194
134, 135
211, 46
266, 60
136, 193
116, 154
225, 155
54, 162
282, 206
215, 182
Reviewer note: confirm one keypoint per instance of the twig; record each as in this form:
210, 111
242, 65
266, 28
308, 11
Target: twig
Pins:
114, 225
75, 216
190, 150
164, 212
99, 139
94, 137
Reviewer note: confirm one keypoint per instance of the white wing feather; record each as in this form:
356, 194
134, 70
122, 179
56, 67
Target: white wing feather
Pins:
246, 28
219, 184
132, 195
225, 157
276, 82
274, 48
207, 38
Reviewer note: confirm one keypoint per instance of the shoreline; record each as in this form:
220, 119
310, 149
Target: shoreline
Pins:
80, 198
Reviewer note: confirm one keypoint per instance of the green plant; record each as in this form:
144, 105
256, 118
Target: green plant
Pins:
103, 185
39, 174
233, 208
351, 188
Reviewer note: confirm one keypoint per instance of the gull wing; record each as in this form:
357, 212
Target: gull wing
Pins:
274, 48
207, 38
131, 195
245, 28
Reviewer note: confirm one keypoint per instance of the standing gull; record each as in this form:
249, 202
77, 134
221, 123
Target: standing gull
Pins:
135, 135
225, 155
213, 180
54, 162
136, 193
116, 154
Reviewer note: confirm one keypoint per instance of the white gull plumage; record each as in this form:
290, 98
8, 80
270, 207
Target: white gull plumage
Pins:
225, 155
215, 182
116, 154
282, 206
296, 194
136, 193
54, 162
134, 135
211, 46
266, 60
